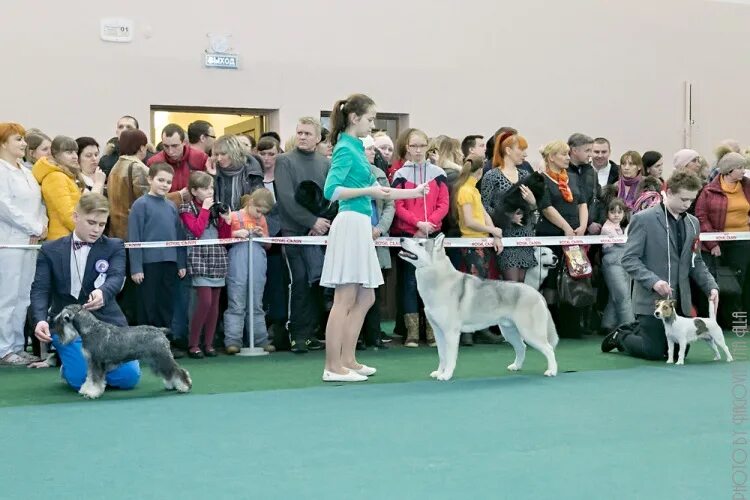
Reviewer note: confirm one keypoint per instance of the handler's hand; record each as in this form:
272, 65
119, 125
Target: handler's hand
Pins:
42, 332
716, 251
137, 278
662, 288
96, 301
181, 273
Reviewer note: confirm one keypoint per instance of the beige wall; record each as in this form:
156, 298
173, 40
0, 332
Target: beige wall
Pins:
612, 68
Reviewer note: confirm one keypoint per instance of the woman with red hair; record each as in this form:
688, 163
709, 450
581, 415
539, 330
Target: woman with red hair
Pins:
23, 221
510, 152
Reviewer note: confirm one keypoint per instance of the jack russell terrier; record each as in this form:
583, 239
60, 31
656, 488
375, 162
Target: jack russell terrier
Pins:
684, 331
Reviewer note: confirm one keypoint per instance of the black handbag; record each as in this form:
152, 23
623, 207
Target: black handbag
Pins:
729, 281
727, 278
574, 292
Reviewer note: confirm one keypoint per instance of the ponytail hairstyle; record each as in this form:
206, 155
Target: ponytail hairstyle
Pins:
358, 104
472, 163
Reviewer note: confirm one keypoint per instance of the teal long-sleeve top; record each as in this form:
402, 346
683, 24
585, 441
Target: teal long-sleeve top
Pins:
349, 169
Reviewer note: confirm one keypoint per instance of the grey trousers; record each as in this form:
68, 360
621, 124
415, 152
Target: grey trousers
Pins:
237, 314
619, 309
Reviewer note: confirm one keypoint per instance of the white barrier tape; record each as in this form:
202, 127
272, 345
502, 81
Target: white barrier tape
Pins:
532, 241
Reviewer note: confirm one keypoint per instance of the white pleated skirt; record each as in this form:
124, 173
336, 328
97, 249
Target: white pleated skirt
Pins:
350, 254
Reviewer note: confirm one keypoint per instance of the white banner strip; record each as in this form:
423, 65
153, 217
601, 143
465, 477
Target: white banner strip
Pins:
533, 241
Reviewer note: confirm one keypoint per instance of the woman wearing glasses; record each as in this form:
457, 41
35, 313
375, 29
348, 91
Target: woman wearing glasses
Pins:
419, 218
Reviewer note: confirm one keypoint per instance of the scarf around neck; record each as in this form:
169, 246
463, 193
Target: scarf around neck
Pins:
232, 185
628, 197
562, 183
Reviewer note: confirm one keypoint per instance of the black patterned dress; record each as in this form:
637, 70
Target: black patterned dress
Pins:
494, 187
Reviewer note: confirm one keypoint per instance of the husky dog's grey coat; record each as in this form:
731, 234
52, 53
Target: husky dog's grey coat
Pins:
456, 302
106, 346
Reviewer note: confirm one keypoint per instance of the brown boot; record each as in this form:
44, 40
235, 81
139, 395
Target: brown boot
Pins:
411, 321
430, 334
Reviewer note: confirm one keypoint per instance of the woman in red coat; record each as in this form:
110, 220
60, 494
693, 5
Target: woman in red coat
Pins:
724, 206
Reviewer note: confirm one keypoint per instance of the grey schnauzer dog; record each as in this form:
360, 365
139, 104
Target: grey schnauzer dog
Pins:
106, 346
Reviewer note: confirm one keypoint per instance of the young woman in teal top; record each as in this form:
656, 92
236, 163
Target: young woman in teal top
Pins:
351, 264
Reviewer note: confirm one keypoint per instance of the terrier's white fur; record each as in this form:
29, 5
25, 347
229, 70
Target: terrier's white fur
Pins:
684, 331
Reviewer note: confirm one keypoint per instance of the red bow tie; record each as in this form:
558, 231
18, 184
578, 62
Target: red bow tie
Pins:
77, 245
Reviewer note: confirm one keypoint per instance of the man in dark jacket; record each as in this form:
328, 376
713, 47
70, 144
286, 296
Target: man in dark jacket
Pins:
107, 162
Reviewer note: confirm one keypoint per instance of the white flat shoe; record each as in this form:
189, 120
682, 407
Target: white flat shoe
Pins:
367, 371
352, 376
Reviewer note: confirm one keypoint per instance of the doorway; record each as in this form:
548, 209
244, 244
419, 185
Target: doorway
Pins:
390, 123
226, 121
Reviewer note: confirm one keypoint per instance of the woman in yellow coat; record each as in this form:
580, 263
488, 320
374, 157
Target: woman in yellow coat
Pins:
61, 182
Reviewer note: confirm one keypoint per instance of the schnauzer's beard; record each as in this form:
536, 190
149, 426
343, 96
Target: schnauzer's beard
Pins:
65, 329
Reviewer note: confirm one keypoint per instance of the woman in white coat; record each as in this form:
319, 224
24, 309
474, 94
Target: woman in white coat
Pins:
23, 220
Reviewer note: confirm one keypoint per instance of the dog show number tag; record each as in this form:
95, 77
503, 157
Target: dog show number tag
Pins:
101, 266
100, 280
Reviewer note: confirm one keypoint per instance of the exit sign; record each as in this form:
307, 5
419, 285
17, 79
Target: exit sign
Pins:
223, 61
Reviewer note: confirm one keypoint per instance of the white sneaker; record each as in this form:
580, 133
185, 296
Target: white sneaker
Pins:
352, 376
367, 371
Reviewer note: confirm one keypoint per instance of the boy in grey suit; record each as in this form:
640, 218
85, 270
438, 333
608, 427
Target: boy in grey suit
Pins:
659, 273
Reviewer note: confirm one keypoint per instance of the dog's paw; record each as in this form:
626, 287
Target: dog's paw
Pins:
445, 376
670, 361
514, 367
550, 373
90, 392
717, 357
730, 359
680, 362
435, 374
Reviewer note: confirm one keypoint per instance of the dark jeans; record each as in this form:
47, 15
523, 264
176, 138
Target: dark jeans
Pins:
181, 308
275, 295
157, 294
127, 299
409, 293
305, 300
371, 326
736, 255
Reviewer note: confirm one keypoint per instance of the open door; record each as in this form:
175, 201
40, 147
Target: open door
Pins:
224, 120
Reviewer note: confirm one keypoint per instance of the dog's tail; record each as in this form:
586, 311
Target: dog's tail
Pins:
552, 337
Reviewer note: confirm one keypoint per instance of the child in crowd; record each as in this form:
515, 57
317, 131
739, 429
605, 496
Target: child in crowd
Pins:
154, 218
473, 220
649, 193
207, 265
248, 222
419, 218
619, 309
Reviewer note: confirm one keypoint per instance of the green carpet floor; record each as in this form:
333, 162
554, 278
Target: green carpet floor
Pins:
21, 386
651, 432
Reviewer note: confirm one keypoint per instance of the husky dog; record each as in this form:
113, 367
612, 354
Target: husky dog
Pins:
106, 346
456, 302
684, 331
545, 260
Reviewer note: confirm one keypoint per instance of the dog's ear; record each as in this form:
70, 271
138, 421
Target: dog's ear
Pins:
439, 241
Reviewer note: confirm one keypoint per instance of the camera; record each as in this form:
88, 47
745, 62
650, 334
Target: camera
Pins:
217, 209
